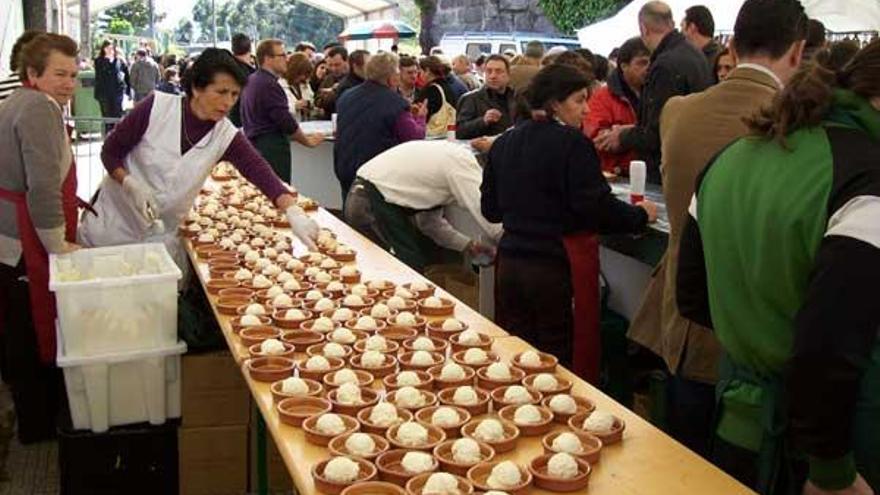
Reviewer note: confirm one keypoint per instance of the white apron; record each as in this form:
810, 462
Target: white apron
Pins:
174, 177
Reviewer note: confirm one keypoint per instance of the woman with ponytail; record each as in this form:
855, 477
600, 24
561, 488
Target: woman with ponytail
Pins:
781, 257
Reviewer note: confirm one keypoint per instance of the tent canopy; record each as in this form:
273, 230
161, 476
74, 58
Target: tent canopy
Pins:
837, 15
384, 29
351, 8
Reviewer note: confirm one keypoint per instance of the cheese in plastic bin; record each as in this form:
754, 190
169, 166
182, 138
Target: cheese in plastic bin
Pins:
117, 298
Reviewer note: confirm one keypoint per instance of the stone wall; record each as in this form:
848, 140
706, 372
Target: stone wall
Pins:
490, 15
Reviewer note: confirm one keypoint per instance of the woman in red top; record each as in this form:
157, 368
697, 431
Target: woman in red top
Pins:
616, 103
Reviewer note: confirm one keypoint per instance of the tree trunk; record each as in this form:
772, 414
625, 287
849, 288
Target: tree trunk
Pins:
428, 10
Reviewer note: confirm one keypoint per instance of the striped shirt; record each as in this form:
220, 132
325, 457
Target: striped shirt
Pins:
8, 85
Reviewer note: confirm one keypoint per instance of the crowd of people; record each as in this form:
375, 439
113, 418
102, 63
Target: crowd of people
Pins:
765, 146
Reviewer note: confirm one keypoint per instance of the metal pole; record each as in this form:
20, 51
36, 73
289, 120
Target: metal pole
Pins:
151, 8
85, 35
214, 21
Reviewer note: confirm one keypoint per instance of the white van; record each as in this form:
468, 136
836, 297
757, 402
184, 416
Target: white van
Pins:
473, 44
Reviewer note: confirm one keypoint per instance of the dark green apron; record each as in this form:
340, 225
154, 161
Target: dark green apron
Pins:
405, 241
275, 148
775, 456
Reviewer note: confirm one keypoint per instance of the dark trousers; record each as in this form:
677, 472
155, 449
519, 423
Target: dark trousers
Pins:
742, 464
690, 413
111, 108
275, 148
37, 389
533, 300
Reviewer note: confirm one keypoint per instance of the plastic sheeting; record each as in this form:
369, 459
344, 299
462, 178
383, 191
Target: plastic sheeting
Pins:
837, 15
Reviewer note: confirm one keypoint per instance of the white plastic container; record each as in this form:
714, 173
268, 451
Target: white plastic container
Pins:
637, 175
115, 299
123, 388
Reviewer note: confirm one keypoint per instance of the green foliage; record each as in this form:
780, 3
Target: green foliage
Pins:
288, 20
136, 12
184, 32
120, 26
570, 15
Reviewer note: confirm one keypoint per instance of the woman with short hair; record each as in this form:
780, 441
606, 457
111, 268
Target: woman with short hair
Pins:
543, 181
38, 210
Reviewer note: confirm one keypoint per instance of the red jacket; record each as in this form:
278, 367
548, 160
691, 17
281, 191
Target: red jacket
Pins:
612, 104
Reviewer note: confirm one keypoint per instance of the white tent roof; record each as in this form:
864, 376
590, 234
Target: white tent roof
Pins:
342, 8
837, 15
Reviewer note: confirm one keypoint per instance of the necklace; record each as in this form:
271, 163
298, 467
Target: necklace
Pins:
186, 134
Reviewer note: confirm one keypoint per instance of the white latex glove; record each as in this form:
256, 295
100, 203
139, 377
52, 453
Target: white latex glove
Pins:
303, 227
142, 197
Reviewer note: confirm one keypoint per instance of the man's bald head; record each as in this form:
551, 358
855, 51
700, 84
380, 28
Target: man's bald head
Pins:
655, 22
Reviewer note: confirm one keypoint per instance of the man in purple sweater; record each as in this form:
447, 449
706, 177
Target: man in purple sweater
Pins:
265, 115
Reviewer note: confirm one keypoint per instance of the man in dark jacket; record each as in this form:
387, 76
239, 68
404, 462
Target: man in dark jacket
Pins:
337, 70
698, 27
489, 110
241, 50
358, 62
677, 69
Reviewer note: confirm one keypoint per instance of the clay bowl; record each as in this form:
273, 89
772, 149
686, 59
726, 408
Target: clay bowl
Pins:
318, 350
419, 325
337, 321
440, 345
294, 410
374, 488
368, 302
407, 364
457, 346
336, 364
426, 382
548, 363
409, 304
242, 310
391, 347
302, 339
529, 430
481, 407
398, 334
369, 397
352, 325
315, 437
358, 335
337, 446
370, 427
365, 379
265, 321
447, 308
387, 369
584, 405
289, 324
367, 473
615, 435
346, 279
440, 384
421, 294
506, 444
415, 485
255, 351
205, 251
429, 399
435, 329
498, 398
270, 369
381, 285
435, 436
443, 454
237, 292
592, 446
310, 305
563, 385
424, 416
256, 335
315, 390
214, 286
371, 293
458, 357
344, 257
542, 479
478, 475
308, 326
484, 382
391, 470
323, 287
228, 306
219, 271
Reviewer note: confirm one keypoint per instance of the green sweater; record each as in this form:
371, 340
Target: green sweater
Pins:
781, 258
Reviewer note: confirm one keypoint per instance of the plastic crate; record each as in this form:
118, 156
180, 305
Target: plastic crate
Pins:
131, 460
114, 299
123, 388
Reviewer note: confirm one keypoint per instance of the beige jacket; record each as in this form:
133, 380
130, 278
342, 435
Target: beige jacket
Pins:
693, 129
36, 157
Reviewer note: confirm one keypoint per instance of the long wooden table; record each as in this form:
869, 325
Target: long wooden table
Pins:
647, 461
